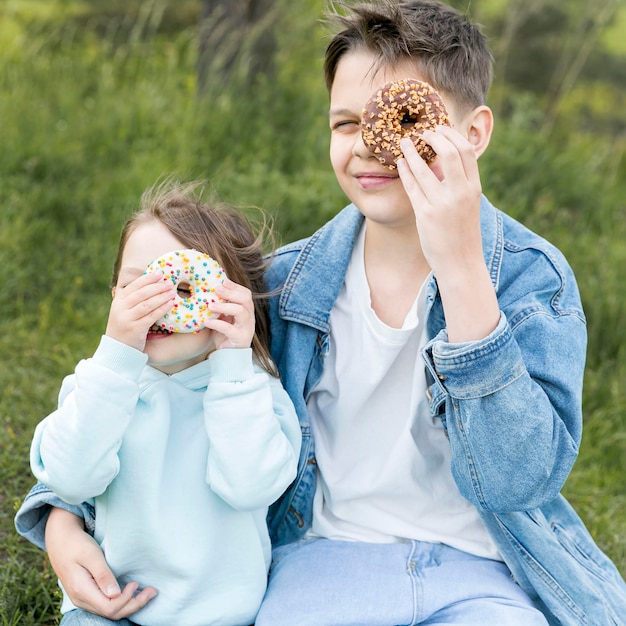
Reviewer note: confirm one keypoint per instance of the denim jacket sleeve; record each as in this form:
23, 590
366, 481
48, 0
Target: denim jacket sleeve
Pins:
31, 518
511, 404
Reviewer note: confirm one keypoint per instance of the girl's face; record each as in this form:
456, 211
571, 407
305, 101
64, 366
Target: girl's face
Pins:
169, 353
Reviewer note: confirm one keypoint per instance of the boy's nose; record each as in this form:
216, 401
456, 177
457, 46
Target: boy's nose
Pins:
359, 148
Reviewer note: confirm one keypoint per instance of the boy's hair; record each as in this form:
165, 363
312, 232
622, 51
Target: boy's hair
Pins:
219, 230
450, 52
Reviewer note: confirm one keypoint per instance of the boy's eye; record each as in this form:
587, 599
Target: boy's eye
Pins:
184, 290
343, 124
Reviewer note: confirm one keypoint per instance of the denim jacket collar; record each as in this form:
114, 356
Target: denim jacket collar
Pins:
336, 240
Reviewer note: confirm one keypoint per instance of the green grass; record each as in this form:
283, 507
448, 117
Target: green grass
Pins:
90, 120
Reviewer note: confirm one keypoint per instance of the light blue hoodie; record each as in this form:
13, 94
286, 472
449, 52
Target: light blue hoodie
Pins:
181, 470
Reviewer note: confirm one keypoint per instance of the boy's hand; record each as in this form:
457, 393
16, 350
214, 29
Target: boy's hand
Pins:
81, 567
234, 320
446, 200
137, 306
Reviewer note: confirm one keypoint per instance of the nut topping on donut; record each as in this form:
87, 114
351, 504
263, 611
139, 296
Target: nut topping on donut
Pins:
402, 108
195, 276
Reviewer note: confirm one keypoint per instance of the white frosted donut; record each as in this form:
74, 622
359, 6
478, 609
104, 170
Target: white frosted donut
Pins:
195, 276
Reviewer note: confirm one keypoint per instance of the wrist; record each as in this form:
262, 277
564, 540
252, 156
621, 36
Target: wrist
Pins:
470, 304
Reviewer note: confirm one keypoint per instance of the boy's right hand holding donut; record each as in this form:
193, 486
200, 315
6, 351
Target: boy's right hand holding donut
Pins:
136, 306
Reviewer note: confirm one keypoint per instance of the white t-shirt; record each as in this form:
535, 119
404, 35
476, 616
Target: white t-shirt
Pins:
383, 461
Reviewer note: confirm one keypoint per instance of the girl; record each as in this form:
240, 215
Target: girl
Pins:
182, 440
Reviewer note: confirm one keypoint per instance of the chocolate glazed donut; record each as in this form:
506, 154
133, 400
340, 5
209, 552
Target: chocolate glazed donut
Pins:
401, 108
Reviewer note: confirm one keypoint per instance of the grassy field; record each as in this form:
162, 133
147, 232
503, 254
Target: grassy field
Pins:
90, 119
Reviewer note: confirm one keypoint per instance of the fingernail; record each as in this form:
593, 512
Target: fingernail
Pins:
113, 590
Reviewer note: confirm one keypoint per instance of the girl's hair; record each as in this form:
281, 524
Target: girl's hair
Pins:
450, 51
200, 220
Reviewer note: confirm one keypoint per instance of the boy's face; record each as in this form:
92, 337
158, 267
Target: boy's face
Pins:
374, 189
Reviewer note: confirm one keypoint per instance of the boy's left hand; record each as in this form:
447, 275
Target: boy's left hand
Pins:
233, 319
446, 199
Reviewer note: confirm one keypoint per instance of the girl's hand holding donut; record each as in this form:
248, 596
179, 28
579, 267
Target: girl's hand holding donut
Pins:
137, 306
233, 321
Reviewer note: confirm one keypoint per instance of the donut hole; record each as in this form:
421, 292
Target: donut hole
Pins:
184, 290
411, 120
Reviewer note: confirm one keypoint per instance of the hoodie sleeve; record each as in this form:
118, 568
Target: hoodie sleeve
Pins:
253, 430
74, 450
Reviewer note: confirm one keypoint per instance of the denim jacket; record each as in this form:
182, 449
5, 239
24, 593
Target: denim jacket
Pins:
510, 403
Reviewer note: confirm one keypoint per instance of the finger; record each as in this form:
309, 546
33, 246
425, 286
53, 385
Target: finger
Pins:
456, 153
235, 335
233, 292
142, 280
417, 178
86, 594
139, 600
115, 606
130, 326
141, 304
238, 311
409, 181
123, 605
153, 307
410, 153
429, 178
160, 311
417, 166
128, 602
225, 325
102, 575
146, 286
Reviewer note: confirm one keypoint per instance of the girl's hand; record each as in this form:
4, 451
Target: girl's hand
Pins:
81, 567
137, 306
234, 322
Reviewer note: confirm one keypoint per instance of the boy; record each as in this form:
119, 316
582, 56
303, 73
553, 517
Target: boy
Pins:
434, 349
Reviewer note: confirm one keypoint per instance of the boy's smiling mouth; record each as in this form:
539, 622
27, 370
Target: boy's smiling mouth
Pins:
374, 179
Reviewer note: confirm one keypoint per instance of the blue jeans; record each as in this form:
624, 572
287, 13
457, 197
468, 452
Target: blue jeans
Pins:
78, 617
339, 583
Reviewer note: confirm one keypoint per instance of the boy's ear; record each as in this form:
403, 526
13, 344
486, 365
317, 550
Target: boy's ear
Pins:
479, 124
112, 292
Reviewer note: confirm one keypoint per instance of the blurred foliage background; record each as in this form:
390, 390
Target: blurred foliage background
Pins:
100, 98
